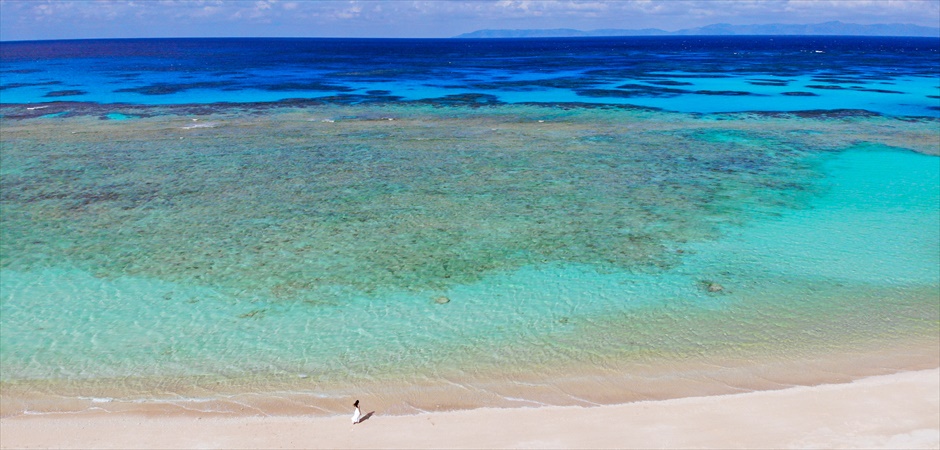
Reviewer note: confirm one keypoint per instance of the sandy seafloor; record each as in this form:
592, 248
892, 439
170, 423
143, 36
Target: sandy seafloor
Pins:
760, 375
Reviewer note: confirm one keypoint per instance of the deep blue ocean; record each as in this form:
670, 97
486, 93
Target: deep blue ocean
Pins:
887, 75
278, 226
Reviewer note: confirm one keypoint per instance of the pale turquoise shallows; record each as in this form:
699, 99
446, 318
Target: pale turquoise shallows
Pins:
438, 247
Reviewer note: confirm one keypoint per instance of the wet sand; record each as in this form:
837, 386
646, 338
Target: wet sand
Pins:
889, 411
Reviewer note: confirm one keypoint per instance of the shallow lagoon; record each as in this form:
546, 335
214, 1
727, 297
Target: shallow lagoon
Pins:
293, 253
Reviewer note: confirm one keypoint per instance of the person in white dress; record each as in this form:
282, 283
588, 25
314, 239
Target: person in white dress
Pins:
357, 415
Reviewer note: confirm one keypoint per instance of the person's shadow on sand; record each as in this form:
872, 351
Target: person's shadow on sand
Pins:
366, 417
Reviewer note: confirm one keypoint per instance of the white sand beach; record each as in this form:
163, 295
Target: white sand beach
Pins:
890, 411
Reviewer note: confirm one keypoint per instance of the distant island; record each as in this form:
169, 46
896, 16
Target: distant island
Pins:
724, 29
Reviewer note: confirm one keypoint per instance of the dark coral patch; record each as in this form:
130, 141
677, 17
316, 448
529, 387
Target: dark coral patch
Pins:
22, 71
339, 99
631, 91
65, 93
835, 113
729, 93
880, 91
669, 83
18, 85
307, 86
855, 88
653, 90
800, 94
767, 83
691, 75
173, 88
610, 93
838, 80
825, 86
471, 99
531, 85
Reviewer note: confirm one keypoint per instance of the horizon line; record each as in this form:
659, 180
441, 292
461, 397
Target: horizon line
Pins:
460, 38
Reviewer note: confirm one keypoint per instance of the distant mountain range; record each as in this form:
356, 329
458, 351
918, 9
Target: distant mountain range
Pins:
724, 29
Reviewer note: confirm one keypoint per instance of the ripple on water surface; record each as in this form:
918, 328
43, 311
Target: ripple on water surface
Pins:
450, 244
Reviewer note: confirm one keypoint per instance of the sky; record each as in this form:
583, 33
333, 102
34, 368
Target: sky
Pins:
80, 19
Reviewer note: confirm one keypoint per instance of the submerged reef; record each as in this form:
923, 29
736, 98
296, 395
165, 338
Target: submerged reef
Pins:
302, 202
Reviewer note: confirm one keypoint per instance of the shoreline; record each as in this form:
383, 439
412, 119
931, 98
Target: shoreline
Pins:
558, 386
901, 410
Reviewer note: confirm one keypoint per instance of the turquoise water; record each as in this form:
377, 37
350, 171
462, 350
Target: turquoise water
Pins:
415, 244
894, 76
276, 225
